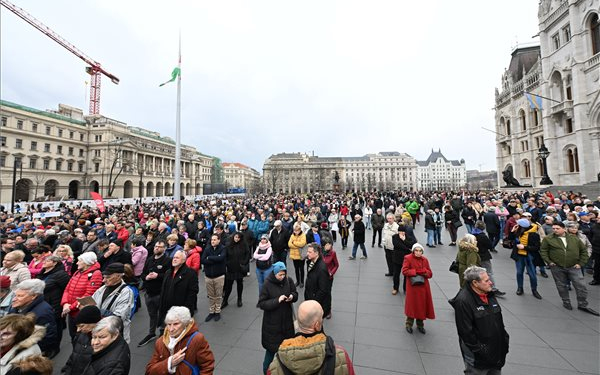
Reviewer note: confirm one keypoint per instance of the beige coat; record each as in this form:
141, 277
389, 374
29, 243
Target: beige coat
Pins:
24, 349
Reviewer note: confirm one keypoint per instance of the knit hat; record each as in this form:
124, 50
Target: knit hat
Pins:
279, 266
114, 268
4, 282
264, 236
524, 223
88, 315
417, 246
88, 258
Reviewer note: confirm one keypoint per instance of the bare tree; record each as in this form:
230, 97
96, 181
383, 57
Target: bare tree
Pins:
39, 179
118, 165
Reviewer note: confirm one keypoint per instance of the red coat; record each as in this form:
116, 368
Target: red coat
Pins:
193, 259
418, 303
332, 263
82, 284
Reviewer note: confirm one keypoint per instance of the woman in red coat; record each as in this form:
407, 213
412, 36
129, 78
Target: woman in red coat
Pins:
418, 303
330, 259
192, 252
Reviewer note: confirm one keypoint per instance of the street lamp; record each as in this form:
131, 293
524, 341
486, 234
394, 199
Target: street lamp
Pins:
543, 154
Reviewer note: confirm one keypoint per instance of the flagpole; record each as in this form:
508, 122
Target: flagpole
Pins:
177, 187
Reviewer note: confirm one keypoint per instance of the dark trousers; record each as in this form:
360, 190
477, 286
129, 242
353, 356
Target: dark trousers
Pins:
279, 256
153, 305
596, 258
375, 231
228, 287
344, 241
495, 238
396, 277
71, 326
299, 268
334, 235
453, 232
388, 260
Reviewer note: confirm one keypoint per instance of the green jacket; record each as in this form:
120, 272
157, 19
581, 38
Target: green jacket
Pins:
468, 255
553, 251
412, 207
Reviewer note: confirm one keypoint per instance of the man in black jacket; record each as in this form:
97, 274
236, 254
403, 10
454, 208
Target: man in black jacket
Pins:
214, 259
179, 287
152, 276
482, 337
114, 254
56, 279
492, 227
317, 278
279, 242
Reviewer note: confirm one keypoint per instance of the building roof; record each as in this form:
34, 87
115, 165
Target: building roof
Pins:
239, 165
435, 155
42, 113
523, 58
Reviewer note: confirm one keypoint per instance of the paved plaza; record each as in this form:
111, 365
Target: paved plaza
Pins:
368, 321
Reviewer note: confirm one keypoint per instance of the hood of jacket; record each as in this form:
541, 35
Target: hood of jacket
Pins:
466, 246
191, 328
38, 334
303, 354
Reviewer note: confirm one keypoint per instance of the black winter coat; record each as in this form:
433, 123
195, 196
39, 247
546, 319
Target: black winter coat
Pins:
481, 334
56, 281
484, 245
81, 355
44, 316
238, 255
214, 261
278, 319
160, 266
279, 240
121, 256
492, 223
429, 222
316, 285
401, 248
181, 290
115, 359
595, 238
359, 232
469, 211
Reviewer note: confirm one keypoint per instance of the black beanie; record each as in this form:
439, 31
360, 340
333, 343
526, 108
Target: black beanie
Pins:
88, 315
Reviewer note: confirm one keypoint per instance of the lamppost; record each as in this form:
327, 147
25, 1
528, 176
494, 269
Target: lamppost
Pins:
543, 154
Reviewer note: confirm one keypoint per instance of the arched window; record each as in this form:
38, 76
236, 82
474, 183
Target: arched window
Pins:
572, 160
535, 117
526, 168
507, 127
595, 33
522, 119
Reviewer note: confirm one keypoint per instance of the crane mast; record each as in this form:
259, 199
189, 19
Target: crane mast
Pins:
94, 69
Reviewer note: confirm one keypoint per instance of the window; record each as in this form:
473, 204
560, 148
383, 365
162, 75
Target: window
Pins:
58, 165
97, 153
508, 127
595, 32
80, 152
2, 161
34, 127
33, 146
80, 167
3, 141
4, 120
71, 134
572, 160
70, 166
522, 119
32, 163
70, 151
526, 169
81, 137
48, 130
20, 124
569, 125
60, 133
18, 143
569, 93
540, 167
59, 149
536, 118
96, 167
46, 164
18, 161
566, 33
556, 41
98, 137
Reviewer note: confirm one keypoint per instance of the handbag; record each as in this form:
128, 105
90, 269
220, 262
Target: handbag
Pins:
457, 223
453, 267
507, 243
417, 280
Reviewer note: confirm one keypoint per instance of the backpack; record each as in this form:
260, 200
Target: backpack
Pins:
136, 299
195, 368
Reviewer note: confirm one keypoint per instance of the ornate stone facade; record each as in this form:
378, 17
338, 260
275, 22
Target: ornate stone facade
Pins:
66, 154
564, 70
301, 173
439, 173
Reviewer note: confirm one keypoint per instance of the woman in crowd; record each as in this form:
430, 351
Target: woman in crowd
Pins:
344, 229
238, 265
526, 254
66, 255
296, 242
85, 281
333, 219
111, 354
32, 365
192, 253
276, 300
418, 303
172, 245
264, 260
330, 259
37, 263
55, 279
402, 247
451, 218
430, 228
19, 337
468, 255
81, 356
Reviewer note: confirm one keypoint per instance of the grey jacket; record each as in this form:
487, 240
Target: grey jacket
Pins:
121, 307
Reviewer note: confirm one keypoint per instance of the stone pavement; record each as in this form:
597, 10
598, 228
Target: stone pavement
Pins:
368, 321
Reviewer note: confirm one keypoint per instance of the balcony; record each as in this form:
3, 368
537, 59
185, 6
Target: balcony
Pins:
560, 109
593, 62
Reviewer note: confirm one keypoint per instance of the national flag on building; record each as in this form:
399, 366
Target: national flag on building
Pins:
535, 101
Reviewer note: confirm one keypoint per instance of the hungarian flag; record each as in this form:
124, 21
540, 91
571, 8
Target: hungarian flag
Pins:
176, 72
98, 200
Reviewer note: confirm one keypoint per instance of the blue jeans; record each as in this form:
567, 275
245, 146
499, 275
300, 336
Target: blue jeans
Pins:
368, 222
261, 276
502, 225
469, 228
355, 247
438, 235
522, 262
430, 237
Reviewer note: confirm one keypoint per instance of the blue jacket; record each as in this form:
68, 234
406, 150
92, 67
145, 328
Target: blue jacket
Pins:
262, 227
44, 316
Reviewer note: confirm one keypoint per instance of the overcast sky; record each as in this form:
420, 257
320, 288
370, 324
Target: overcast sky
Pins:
340, 78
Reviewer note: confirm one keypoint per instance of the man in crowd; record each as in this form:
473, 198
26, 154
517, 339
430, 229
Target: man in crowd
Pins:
318, 351
114, 254
214, 260
279, 242
566, 254
377, 222
390, 228
180, 287
13, 267
481, 334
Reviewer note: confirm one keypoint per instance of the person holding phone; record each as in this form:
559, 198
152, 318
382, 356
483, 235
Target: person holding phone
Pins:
276, 300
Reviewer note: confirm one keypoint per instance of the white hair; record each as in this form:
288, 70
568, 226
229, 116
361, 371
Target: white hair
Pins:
32, 286
113, 325
178, 314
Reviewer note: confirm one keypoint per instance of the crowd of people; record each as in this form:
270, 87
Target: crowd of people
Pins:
87, 272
